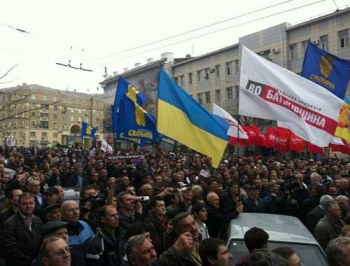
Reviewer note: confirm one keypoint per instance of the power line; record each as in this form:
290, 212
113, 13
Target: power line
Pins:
191, 31
17, 29
335, 4
216, 31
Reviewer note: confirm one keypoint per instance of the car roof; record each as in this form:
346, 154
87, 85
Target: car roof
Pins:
280, 228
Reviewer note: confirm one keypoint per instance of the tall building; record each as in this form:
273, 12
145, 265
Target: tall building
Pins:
214, 77
37, 116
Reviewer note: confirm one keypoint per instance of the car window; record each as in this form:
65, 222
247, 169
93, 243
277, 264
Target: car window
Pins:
309, 254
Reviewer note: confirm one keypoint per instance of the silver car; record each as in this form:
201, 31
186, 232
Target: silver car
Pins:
284, 231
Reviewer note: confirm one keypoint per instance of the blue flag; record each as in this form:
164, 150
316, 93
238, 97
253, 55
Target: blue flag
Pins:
327, 70
88, 131
135, 122
125, 88
166, 139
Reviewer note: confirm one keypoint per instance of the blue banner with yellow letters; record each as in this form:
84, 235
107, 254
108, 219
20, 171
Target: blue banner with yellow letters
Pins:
88, 131
327, 70
135, 122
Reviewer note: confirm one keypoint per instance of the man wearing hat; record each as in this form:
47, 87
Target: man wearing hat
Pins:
254, 203
51, 197
59, 229
53, 212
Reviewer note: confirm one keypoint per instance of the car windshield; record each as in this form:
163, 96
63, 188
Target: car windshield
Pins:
309, 254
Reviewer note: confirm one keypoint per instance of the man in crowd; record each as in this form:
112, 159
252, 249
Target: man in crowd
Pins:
200, 215
79, 231
213, 252
106, 247
218, 218
22, 233
289, 255
330, 226
338, 251
55, 252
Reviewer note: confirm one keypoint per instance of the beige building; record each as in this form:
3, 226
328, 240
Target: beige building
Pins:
214, 77
37, 116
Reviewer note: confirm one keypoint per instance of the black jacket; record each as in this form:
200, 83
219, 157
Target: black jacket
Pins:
218, 219
21, 245
156, 231
250, 206
103, 249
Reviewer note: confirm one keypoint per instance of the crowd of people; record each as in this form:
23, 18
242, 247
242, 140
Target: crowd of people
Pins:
162, 208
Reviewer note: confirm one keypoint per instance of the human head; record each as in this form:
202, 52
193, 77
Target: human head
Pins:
288, 254
57, 229
147, 190
184, 222
88, 191
324, 199
70, 211
34, 186
140, 251
51, 195
256, 238
26, 203
13, 196
138, 229
343, 202
60, 192
158, 206
213, 252
265, 258
338, 251
126, 201
109, 217
213, 199
55, 252
332, 210
199, 212
53, 212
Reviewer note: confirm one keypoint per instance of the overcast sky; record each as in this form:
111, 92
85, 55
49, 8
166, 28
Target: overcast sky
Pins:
96, 33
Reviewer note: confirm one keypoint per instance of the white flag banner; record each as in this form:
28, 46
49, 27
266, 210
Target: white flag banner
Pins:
269, 91
104, 145
235, 130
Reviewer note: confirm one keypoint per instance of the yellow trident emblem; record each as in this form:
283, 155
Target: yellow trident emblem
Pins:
326, 65
140, 116
88, 130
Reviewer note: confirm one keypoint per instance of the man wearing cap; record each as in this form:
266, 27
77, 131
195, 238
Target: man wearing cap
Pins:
187, 196
53, 213
51, 197
59, 229
254, 203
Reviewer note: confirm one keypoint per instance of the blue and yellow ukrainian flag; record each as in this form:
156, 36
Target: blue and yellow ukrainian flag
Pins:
326, 69
88, 131
183, 119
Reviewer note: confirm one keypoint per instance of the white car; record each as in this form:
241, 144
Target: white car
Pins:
284, 231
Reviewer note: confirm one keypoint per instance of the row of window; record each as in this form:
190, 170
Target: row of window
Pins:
205, 97
231, 67
43, 135
343, 42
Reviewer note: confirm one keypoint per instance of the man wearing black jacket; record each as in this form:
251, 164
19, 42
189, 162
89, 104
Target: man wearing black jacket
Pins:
218, 218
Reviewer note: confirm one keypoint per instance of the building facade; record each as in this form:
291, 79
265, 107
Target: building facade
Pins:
214, 77
37, 116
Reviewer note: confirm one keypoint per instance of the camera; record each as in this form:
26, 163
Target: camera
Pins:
142, 198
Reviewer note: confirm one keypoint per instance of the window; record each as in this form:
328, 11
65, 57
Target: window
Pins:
217, 96
229, 95
43, 134
293, 52
72, 118
54, 125
190, 81
55, 107
44, 97
199, 76
78, 110
64, 126
55, 135
14, 124
32, 114
55, 116
32, 96
324, 42
72, 101
64, 100
182, 80
237, 66
206, 73
32, 106
176, 79
304, 47
55, 99
97, 120
79, 119
229, 68
64, 117
217, 71
32, 123
72, 110
200, 98
32, 134
343, 38
207, 97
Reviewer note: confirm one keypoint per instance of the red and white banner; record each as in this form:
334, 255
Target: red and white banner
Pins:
271, 137
261, 137
235, 132
269, 91
282, 138
339, 145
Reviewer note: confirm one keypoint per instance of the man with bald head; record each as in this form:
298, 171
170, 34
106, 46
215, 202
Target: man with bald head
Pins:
219, 217
78, 231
